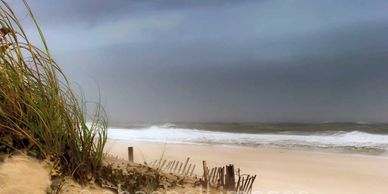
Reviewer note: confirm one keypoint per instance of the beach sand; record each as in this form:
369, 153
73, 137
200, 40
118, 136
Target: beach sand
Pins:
21, 174
279, 170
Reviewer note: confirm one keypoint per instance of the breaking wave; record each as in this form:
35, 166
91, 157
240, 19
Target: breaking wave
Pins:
353, 140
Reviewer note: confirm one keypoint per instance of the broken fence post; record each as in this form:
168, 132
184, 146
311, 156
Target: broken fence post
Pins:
229, 178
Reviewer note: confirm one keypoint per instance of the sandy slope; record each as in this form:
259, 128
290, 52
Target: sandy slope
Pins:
23, 175
280, 171
73, 187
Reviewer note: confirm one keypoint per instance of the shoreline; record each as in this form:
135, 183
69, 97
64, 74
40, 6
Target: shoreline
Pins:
336, 141
269, 147
279, 170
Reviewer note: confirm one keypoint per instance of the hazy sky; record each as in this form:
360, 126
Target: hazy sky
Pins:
225, 60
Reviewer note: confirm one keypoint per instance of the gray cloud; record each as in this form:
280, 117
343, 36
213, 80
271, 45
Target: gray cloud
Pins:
226, 60
329, 76
94, 12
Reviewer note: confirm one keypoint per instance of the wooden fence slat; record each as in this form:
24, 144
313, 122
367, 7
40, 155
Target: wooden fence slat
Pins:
211, 176
219, 181
223, 176
192, 170
218, 175
247, 180
169, 166
179, 170
188, 170
238, 183
152, 164
245, 183
184, 167
250, 186
159, 162
241, 184
168, 163
172, 166
176, 166
161, 167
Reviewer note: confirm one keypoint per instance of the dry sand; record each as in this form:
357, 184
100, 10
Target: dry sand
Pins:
279, 170
23, 175
72, 187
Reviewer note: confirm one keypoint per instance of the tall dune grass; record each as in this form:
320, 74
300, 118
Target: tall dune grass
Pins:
38, 110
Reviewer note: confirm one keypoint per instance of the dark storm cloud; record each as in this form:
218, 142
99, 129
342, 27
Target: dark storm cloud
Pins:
227, 61
347, 80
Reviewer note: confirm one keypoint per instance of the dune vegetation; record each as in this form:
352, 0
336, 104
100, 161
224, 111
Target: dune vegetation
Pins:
42, 116
39, 112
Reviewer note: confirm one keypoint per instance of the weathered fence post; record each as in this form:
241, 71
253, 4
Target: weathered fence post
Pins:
229, 178
205, 174
130, 154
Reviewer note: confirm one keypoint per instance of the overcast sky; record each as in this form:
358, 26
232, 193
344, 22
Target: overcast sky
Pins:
224, 60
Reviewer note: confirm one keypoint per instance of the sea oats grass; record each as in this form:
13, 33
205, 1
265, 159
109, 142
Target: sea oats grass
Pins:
39, 112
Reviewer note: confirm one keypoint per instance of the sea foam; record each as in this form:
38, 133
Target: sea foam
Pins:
353, 139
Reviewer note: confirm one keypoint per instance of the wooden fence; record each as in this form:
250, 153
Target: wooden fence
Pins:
174, 166
225, 177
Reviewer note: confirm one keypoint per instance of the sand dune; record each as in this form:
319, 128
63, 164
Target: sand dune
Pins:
20, 175
24, 175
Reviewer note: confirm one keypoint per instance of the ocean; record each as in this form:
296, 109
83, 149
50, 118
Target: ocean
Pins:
360, 138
